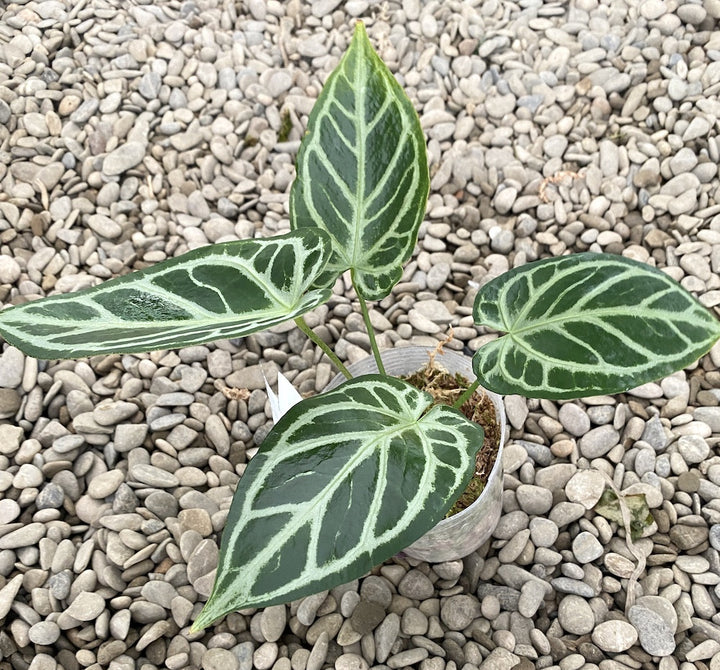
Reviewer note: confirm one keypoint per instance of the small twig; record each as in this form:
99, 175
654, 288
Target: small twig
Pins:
232, 393
439, 348
556, 178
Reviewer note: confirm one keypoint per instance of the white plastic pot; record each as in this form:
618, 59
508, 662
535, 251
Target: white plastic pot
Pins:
464, 532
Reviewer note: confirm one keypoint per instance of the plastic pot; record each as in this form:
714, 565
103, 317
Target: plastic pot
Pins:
462, 533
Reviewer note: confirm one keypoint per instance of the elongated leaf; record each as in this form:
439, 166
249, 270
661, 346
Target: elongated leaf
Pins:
362, 171
216, 292
344, 481
587, 324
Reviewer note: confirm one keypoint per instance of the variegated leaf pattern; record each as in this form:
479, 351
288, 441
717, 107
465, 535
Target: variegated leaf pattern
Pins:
344, 481
587, 324
362, 171
211, 293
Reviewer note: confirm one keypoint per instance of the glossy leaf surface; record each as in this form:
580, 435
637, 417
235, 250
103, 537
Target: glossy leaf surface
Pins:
587, 324
211, 293
344, 481
362, 171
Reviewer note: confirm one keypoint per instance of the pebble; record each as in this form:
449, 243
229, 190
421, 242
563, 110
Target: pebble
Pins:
220, 659
614, 636
23, 537
534, 499
124, 158
416, 585
693, 448
9, 511
8, 593
458, 612
543, 532
656, 621
575, 615
385, 636
573, 419
9, 270
572, 586
153, 476
86, 606
585, 487
272, 623
44, 633
598, 441
12, 364
105, 484
586, 548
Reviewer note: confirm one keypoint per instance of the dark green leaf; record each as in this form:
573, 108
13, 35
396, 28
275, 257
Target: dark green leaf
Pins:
212, 293
362, 171
587, 324
344, 481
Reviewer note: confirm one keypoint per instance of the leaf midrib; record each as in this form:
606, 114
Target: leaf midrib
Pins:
360, 130
597, 312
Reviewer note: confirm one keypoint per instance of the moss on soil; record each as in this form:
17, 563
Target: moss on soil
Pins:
446, 388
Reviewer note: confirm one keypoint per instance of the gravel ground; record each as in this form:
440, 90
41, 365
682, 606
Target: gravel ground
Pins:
133, 131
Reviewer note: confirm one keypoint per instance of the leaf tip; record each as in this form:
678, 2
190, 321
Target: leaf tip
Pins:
203, 620
360, 29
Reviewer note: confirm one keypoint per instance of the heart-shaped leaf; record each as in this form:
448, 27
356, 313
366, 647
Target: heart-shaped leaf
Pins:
362, 171
344, 481
587, 324
211, 293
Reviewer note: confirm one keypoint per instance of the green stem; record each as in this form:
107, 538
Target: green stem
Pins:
466, 394
302, 325
370, 330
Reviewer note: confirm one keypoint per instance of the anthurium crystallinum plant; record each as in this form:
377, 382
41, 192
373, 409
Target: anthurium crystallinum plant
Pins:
349, 478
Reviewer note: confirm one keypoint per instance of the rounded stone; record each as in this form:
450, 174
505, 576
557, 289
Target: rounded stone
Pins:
272, 623
615, 635
51, 497
574, 419
9, 511
416, 585
585, 487
28, 476
655, 627
693, 448
264, 657
534, 499
219, 659
575, 615
44, 632
686, 537
458, 612
714, 536
123, 158
543, 532
366, 616
598, 441
105, 484
86, 606
9, 270
586, 547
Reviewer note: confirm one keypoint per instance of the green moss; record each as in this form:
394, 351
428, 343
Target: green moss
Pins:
285, 127
445, 389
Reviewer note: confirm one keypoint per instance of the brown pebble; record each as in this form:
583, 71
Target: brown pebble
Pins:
688, 482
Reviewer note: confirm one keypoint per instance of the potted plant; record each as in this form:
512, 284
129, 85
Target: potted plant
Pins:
350, 477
